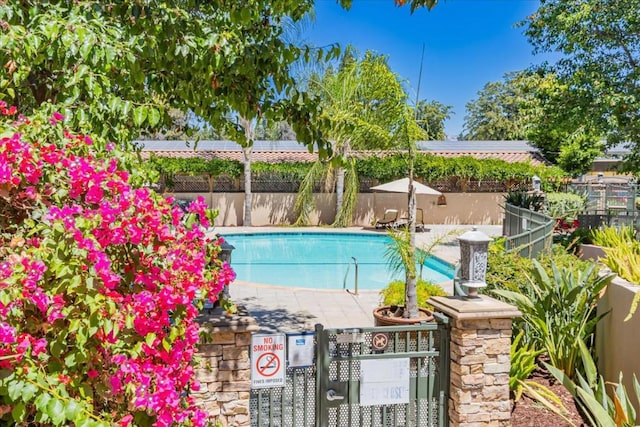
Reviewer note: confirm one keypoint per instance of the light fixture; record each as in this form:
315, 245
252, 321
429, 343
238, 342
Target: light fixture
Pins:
537, 183
600, 178
442, 200
474, 248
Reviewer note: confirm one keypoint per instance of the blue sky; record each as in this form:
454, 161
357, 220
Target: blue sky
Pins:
467, 43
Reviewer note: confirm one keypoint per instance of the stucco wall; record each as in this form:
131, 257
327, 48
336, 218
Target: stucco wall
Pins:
617, 341
277, 208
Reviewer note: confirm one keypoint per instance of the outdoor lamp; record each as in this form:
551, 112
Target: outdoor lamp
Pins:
600, 178
537, 182
474, 246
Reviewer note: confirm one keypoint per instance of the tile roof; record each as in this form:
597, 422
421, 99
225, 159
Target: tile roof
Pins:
292, 151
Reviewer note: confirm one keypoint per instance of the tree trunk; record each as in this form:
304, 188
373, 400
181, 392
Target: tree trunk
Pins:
411, 297
339, 189
249, 133
248, 196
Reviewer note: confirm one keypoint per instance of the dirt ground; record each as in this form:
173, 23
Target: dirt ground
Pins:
529, 413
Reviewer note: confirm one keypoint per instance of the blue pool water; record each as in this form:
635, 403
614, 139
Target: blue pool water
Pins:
320, 260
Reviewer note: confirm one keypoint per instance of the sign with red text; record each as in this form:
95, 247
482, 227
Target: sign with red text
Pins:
268, 360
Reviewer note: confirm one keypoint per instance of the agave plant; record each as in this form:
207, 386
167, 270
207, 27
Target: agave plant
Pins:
602, 409
559, 311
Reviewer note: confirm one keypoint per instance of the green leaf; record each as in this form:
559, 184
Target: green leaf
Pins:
154, 117
55, 410
72, 409
150, 338
42, 401
28, 392
18, 412
14, 390
139, 115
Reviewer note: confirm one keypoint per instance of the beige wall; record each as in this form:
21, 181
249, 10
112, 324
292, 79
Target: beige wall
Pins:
617, 341
277, 208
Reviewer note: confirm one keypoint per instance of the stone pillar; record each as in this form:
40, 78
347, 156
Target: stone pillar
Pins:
223, 369
480, 360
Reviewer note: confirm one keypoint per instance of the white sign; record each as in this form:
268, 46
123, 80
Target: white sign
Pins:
384, 381
268, 361
300, 350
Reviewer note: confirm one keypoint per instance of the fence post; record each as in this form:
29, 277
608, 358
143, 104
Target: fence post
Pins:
479, 349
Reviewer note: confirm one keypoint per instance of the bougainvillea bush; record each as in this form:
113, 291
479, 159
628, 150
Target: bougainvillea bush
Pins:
100, 284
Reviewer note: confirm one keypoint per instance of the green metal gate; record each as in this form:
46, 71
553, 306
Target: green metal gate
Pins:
330, 393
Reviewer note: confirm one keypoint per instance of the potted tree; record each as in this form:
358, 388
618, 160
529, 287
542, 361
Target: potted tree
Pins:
402, 256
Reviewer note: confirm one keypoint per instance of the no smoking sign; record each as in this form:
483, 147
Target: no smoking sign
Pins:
267, 360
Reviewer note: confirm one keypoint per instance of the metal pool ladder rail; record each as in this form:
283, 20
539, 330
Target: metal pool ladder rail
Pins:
344, 282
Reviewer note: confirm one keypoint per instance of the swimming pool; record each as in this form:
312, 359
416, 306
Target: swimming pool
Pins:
320, 260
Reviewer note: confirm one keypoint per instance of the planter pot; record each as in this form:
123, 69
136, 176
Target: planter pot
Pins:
591, 252
383, 316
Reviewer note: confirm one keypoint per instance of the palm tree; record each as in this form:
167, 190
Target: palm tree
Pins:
363, 102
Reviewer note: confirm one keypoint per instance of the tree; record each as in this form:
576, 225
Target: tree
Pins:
362, 103
118, 67
600, 45
562, 134
495, 114
415, 4
431, 116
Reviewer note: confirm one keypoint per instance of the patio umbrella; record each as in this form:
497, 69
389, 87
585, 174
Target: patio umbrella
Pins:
402, 186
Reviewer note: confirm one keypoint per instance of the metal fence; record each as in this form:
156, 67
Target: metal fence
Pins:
528, 232
268, 183
333, 392
610, 204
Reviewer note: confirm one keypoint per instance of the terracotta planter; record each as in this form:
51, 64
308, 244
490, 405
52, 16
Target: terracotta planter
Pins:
382, 317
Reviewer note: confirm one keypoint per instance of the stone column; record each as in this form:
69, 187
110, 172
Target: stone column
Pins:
480, 346
223, 369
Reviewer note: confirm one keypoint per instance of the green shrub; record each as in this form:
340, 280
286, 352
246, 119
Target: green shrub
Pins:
566, 206
602, 408
508, 270
559, 311
393, 293
523, 363
623, 255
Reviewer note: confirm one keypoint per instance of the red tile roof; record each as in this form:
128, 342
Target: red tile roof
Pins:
273, 156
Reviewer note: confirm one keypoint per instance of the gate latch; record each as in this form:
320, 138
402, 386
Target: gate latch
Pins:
331, 395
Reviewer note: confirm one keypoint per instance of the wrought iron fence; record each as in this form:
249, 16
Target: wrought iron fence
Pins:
282, 184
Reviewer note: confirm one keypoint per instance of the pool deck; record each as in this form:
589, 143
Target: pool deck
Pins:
286, 309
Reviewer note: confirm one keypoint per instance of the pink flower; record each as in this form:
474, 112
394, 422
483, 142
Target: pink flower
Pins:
55, 118
39, 347
7, 334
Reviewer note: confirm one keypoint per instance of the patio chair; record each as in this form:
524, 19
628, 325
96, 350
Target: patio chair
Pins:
404, 221
388, 219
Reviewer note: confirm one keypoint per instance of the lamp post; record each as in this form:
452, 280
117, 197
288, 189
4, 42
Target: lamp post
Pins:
474, 249
537, 183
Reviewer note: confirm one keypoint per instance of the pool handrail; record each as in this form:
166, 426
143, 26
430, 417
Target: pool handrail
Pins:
344, 282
